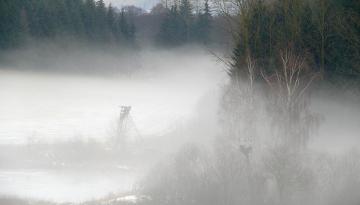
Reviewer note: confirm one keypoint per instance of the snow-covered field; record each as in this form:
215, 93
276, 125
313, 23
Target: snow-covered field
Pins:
58, 106
64, 186
47, 107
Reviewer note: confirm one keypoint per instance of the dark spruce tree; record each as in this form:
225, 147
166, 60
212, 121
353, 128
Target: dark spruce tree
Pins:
170, 31
186, 21
90, 19
124, 25
202, 28
101, 24
111, 22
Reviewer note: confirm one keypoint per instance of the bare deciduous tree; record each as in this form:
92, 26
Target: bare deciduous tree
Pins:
289, 88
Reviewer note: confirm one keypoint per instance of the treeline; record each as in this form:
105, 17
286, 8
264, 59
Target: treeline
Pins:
93, 21
89, 20
181, 25
325, 32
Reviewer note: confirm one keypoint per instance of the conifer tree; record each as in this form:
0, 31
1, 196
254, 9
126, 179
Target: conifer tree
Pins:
186, 21
170, 30
90, 19
111, 22
123, 24
203, 27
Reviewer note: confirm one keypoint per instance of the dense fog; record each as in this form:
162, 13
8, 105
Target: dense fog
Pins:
59, 128
179, 102
161, 92
58, 111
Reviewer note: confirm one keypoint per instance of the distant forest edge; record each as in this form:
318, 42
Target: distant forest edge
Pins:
22, 20
95, 22
324, 32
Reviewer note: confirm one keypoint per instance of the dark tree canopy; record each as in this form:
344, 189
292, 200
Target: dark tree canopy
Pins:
87, 20
181, 25
326, 32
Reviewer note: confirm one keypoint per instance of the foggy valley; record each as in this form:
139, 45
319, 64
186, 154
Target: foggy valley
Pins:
165, 99
179, 102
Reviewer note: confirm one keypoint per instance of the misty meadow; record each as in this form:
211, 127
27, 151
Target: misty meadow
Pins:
179, 102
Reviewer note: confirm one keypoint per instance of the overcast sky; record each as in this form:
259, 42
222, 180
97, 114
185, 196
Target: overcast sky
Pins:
146, 4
